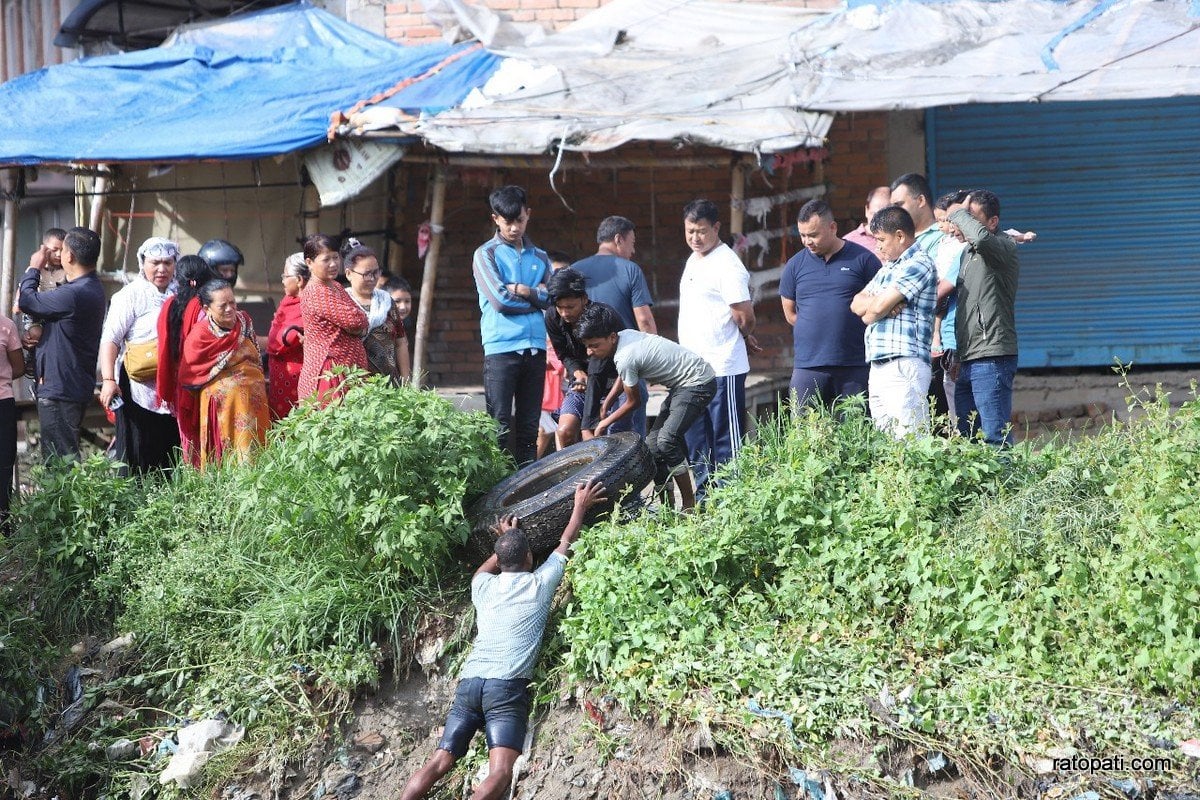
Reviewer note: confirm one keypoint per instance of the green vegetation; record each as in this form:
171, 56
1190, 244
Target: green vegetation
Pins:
266, 593
986, 604
993, 606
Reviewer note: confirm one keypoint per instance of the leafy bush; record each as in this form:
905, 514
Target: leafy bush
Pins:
267, 591
1024, 598
64, 535
344, 522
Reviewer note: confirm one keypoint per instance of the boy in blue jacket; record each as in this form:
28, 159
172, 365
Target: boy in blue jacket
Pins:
510, 276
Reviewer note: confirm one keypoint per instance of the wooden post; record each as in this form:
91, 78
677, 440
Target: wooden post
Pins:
393, 253
99, 198
437, 216
8, 258
312, 210
737, 194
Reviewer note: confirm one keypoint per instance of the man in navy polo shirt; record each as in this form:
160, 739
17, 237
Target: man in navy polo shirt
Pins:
510, 275
72, 315
816, 288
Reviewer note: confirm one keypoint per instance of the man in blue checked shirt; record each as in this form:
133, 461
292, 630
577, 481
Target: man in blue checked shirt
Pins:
510, 276
898, 306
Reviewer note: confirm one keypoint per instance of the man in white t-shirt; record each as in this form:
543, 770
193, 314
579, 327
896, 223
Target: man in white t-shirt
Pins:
716, 322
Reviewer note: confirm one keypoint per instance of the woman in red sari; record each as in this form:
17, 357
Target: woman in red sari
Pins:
334, 325
222, 366
285, 341
178, 315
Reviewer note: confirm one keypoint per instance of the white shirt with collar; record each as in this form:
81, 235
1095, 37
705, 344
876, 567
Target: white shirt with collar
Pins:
133, 318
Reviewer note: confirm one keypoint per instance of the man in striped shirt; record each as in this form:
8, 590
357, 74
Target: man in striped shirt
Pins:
512, 602
898, 306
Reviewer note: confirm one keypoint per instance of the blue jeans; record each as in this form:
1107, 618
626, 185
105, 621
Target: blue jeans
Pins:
716, 436
512, 390
983, 398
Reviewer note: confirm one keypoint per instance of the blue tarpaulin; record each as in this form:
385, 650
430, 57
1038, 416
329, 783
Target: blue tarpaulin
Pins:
257, 85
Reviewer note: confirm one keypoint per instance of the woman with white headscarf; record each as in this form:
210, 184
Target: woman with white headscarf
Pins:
147, 436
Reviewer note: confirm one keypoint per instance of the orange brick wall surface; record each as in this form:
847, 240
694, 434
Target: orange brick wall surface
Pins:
406, 22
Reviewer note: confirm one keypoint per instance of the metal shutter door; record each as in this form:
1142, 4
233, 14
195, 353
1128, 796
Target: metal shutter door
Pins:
1111, 189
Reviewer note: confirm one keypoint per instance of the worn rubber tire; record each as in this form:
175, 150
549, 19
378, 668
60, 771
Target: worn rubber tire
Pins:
542, 495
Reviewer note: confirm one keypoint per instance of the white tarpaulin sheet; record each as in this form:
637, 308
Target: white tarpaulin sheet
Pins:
755, 78
656, 70
921, 55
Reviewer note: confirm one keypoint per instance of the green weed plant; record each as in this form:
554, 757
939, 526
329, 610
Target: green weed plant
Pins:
269, 591
843, 586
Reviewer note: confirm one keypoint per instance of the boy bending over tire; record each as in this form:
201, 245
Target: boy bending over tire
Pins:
512, 602
644, 356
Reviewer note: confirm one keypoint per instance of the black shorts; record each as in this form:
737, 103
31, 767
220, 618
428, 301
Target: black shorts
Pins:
500, 707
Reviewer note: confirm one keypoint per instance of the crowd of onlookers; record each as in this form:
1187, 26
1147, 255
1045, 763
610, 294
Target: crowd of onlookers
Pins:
181, 366
913, 309
935, 284
917, 303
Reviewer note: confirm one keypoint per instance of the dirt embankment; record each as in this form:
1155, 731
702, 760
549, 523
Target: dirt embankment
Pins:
586, 747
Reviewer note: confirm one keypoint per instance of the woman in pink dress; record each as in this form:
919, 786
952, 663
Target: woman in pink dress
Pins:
334, 325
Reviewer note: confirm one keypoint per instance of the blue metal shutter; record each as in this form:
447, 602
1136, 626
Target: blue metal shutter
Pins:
1111, 189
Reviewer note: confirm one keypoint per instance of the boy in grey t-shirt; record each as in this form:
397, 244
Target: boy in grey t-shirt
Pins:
644, 356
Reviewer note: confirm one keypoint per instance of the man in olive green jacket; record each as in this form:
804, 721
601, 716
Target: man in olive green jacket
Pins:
986, 326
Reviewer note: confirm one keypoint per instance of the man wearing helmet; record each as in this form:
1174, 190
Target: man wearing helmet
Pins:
224, 257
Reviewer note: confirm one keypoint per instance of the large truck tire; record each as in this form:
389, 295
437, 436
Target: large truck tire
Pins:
542, 495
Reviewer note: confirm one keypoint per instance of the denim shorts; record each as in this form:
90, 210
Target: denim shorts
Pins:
572, 404
500, 707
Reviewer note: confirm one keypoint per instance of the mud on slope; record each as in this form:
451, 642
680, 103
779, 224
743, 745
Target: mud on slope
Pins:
586, 747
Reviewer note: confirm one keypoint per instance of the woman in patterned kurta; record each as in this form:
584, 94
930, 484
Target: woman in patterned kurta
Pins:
285, 341
222, 365
385, 343
333, 323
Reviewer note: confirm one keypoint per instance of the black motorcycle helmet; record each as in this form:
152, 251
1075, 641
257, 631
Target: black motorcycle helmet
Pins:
224, 257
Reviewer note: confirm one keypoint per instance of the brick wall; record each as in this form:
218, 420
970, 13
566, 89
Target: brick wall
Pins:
653, 197
405, 21
857, 163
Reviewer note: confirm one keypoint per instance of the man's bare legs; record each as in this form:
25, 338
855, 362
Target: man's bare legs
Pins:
500, 768
441, 762
568, 431
499, 779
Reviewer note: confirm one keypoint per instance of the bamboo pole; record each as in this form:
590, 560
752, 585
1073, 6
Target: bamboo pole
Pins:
437, 216
99, 198
8, 257
585, 161
737, 196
